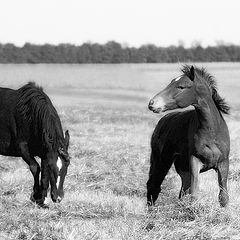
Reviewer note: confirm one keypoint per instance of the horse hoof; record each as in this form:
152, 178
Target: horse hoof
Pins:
43, 205
150, 207
150, 226
34, 199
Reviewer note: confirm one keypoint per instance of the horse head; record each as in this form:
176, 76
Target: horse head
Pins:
180, 93
59, 161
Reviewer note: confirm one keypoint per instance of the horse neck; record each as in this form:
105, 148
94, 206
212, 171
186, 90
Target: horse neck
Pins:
54, 128
59, 130
210, 118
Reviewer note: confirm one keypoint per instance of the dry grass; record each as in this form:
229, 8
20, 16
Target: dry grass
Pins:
105, 189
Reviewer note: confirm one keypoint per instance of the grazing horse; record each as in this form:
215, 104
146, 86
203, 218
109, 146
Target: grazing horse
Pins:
194, 140
29, 127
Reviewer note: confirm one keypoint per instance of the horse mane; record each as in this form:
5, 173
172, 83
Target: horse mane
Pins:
210, 80
39, 113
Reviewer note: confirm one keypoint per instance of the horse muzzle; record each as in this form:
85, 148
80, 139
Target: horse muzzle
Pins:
56, 198
59, 199
156, 106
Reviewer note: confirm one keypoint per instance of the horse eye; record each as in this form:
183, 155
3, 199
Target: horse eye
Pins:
180, 87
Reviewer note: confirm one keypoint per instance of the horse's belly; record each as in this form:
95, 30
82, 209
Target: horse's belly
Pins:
7, 149
4, 145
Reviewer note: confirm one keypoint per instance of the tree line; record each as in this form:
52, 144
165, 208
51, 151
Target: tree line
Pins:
113, 52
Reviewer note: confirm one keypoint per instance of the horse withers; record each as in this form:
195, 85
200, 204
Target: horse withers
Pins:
30, 126
194, 140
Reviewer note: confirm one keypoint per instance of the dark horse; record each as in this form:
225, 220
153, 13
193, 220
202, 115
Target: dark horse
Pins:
194, 140
29, 127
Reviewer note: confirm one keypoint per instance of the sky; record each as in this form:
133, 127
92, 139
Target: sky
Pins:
130, 22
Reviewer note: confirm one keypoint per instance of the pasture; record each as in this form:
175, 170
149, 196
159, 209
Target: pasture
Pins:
104, 107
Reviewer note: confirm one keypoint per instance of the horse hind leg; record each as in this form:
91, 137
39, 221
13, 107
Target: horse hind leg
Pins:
186, 183
34, 168
160, 165
222, 170
181, 164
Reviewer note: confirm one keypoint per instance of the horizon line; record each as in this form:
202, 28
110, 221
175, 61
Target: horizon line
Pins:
181, 43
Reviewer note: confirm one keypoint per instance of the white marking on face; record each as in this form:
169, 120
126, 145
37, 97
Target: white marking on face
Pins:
46, 201
59, 199
59, 164
159, 102
178, 78
58, 181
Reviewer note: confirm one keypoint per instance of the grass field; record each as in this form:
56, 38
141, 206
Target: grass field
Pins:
105, 189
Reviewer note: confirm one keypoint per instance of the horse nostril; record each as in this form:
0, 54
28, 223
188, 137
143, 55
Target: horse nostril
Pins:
151, 102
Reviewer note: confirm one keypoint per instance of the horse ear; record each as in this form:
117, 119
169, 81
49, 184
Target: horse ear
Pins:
192, 73
67, 137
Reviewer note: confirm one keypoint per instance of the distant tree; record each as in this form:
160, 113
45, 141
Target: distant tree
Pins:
113, 52
118, 55
136, 56
31, 53
84, 53
10, 53
66, 53
150, 52
198, 53
97, 53
47, 54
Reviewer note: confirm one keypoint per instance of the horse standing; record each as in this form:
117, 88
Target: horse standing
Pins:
194, 140
29, 127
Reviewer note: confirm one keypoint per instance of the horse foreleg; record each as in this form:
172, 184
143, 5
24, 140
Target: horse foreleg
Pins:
44, 178
195, 167
34, 168
222, 170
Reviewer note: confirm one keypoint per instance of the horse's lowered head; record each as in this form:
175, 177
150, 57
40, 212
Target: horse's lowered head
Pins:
59, 162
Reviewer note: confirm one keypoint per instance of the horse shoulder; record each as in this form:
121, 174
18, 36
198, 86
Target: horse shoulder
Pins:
208, 152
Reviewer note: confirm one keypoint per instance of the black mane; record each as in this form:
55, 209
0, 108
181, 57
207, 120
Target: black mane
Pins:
219, 101
37, 109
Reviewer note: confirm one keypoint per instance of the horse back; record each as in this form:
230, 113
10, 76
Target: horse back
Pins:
8, 99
